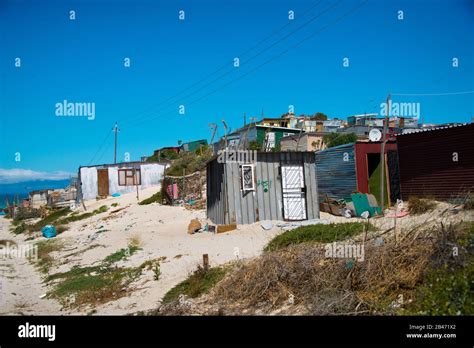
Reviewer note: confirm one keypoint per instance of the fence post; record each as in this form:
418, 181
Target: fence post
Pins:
184, 184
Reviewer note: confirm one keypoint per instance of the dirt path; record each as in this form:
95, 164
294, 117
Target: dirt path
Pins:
20, 283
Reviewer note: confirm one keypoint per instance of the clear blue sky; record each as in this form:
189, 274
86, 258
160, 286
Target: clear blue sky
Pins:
82, 61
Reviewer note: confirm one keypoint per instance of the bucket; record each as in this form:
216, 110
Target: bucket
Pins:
49, 231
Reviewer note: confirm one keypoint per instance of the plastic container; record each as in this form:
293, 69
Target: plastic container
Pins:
49, 231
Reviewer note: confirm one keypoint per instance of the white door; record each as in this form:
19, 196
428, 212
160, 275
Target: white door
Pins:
294, 197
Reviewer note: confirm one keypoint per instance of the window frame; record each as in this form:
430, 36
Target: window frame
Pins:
252, 170
138, 175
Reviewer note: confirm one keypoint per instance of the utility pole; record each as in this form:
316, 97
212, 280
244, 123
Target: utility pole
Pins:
116, 130
213, 126
382, 156
301, 131
225, 134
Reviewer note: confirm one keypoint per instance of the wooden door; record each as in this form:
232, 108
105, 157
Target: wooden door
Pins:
103, 182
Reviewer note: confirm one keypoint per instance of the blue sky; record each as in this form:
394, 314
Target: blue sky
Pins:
82, 60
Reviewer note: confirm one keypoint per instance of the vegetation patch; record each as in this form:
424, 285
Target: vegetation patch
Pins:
83, 216
198, 283
418, 206
448, 289
21, 227
156, 198
418, 274
317, 233
92, 285
469, 203
45, 249
27, 213
122, 254
337, 139
96, 284
188, 162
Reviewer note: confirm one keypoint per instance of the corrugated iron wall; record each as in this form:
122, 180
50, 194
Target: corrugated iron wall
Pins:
336, 172
227, 203
215, 191
427, 168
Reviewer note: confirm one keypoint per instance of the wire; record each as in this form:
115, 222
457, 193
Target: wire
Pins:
432, 94
355, 8
264, 50
100, 147
226, 65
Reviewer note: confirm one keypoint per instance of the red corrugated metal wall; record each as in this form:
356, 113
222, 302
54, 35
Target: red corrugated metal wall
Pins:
361, 150
427, 168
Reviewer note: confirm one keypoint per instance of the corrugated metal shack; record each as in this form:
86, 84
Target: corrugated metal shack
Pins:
437, 163
273, 186
349, 168
336, 172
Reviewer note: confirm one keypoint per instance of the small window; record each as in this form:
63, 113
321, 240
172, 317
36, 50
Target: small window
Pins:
125, 177
248, 177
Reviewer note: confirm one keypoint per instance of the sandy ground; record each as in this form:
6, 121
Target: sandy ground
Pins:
20, 284
162, 232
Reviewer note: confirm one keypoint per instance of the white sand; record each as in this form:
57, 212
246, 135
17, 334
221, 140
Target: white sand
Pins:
162, 231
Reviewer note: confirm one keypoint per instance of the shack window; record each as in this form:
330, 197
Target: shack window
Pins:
125, 177
248, 177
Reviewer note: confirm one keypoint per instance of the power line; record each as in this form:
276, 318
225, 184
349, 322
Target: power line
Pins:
264, 50
352, 10
100, 147
432, 94
226, 65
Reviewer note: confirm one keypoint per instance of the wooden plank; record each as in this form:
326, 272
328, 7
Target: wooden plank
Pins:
226, 228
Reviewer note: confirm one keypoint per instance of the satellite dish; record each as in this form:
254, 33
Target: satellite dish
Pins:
375, 134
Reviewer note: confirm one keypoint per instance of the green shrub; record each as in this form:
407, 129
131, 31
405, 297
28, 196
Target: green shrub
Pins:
336, 139
121, 254
156, 272
155, 198
198, 283
317, 233
446, 292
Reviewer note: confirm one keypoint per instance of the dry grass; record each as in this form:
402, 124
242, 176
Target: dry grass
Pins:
469, 202
418, 206
325, 286
135, 241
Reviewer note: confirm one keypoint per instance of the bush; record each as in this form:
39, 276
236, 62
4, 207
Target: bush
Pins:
316, 233
27, 213
336, 139
197, 283
418, 206
156, 198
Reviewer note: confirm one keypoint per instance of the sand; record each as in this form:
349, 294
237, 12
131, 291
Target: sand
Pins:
162, 233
